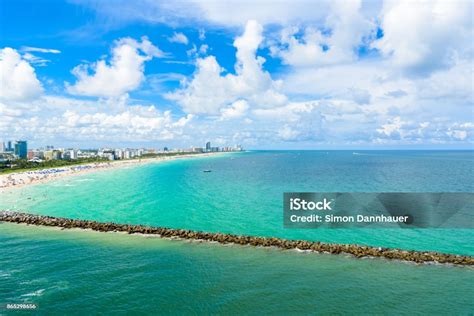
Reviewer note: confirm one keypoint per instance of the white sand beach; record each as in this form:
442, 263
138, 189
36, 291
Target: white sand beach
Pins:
23, 178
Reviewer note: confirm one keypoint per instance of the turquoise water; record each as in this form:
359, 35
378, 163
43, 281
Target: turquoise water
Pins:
242, 195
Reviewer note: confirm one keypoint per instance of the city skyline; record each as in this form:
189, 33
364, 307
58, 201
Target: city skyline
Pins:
304, 75
11, 152
9, 145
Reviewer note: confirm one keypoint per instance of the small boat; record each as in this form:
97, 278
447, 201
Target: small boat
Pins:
207, 170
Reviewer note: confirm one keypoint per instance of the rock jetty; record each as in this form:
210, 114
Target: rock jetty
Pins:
358, 251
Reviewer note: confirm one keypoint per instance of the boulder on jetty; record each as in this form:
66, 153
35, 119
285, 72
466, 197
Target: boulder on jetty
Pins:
357, 251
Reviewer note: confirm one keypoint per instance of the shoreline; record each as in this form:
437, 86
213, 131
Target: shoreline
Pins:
24, 178
357, 251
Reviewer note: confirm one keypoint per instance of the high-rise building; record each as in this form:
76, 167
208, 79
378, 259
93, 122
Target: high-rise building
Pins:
72, 154
21, 149
2, 147
208, 146
9, 146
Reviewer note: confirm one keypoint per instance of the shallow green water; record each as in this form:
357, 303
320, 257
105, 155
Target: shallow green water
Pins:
85, 271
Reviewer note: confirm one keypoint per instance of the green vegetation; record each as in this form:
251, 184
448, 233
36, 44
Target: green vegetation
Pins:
24, 165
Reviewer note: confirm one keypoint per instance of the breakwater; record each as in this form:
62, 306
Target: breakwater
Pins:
358, 251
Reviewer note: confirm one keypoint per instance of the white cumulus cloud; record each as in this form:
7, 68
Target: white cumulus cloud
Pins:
423, 36
209, 90
124, 72
346, 27
236, 110
18, 81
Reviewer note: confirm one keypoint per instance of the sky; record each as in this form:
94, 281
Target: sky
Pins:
264, 74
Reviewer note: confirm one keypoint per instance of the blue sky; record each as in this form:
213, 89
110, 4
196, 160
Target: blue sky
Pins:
267, 74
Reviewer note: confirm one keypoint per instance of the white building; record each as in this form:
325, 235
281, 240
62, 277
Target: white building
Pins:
119, 154
72, 154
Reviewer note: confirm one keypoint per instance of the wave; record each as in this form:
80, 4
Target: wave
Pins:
34, 294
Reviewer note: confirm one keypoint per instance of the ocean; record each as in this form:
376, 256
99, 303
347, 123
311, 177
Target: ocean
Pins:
108, 272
